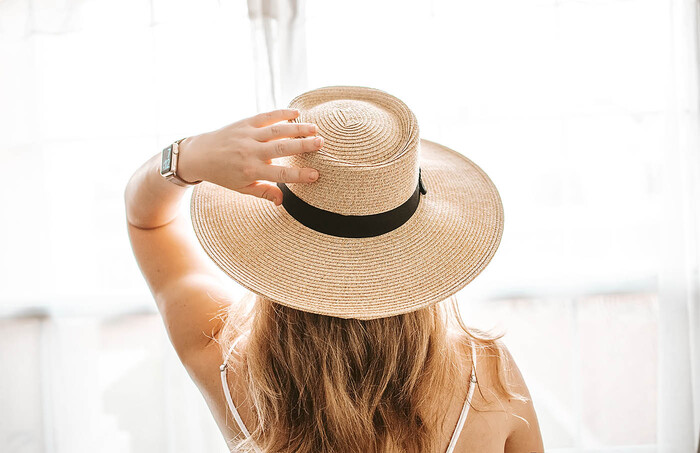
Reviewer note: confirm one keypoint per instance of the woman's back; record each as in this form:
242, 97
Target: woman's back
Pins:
486, 428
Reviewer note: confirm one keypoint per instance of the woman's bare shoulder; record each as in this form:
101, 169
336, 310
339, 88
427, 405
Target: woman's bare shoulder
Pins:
524, 426
487, 424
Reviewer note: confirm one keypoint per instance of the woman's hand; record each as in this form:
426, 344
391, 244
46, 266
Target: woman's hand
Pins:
237, 156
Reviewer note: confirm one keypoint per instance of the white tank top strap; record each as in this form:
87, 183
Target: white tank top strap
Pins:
467, 403
227, 393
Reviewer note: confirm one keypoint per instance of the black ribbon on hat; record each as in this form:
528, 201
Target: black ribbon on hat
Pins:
350, 226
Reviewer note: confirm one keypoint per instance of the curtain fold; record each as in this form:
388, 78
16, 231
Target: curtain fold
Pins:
279, 44
679, 277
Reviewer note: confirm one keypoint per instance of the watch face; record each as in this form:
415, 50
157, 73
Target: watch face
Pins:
166, 161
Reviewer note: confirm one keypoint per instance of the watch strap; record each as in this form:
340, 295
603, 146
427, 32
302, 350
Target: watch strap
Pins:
174, 177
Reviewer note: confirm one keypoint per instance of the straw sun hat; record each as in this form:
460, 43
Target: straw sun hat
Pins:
394, 223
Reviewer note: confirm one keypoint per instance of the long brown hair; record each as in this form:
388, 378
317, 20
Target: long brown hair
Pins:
325, 384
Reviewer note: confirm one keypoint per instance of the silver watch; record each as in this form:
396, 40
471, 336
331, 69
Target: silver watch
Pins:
168, 165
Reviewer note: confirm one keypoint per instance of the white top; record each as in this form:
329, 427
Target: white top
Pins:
455, 434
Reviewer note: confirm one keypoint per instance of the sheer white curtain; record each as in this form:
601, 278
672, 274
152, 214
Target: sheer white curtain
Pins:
89, 89
584, 113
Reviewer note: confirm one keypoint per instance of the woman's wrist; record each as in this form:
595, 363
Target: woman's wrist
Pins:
151, 200
187, 162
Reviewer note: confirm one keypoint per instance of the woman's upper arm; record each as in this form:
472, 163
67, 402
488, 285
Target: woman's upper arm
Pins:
189, 295
525, 436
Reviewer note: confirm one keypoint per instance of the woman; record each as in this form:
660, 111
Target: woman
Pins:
344, 344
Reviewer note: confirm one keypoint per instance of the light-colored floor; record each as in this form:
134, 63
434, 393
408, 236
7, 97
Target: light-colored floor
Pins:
73, 384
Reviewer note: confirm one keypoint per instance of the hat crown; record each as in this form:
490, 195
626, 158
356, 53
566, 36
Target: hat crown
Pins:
370, 158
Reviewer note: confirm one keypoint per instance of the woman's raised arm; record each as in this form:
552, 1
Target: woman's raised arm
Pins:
184, 283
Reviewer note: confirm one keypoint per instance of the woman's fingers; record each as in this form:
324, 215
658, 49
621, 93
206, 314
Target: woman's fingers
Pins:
263, 190
279, 173
275, 116
280, 148
284, 130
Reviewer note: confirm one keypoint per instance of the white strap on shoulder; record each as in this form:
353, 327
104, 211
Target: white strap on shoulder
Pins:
227, 393
465, 408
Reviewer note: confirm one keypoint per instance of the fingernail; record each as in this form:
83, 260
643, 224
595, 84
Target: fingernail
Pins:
314, 174
318, 141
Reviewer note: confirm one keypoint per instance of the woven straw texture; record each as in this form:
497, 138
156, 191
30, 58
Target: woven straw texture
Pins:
368, 164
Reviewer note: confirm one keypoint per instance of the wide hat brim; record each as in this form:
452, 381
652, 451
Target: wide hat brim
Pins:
446, 243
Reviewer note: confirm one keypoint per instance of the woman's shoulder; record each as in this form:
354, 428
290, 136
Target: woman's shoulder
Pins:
206, 374
496, 370
524, 429
503, 393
